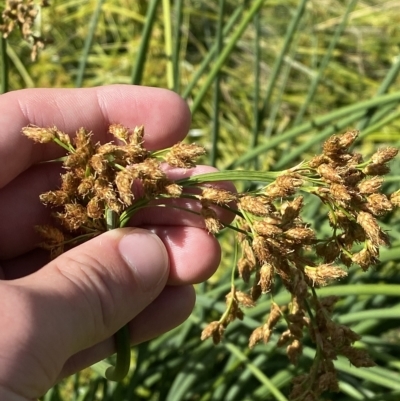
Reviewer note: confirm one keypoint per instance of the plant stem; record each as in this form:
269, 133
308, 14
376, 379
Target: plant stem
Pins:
3, 63
122, 338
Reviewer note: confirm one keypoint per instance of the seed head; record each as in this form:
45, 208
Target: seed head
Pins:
294, 351
184, 155
329, 174
378, 204
364, 259
370, 186
266, 280
300, 235
213, 225
395, 199
324, 274
55, 198
340, 192
328, 250
372, 229
291, 210
40, 135
119, 131
217, 196
266, 230
376, 169
215, 330
254, 205
383, 156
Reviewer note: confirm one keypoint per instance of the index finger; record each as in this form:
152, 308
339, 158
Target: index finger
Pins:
164, 114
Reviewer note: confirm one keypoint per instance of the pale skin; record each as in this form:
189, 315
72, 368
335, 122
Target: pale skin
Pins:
58, 317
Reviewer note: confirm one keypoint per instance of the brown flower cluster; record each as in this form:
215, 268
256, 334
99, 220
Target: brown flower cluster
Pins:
105, 184
276, 244
22, 14
102, 182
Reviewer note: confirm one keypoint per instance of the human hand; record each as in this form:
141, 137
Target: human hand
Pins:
59, 317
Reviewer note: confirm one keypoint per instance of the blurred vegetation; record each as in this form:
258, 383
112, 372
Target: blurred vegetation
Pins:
267, 81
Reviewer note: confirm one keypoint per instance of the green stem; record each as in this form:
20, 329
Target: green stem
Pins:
140, 58
122, 337
3, 64
88, 43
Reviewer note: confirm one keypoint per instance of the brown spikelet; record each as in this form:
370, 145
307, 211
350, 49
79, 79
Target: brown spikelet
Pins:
244, 299
173, 190
372, 229
376, 169
395, 198
254, 205
337, 144
136, 138
329, 174
339, 192
378, 204
52, 237
324, 274
86, 186
266, 280
184, 155
316, 161
291, 210
370, 186
217, 195
384, 155
255, 337
74, 216
213, 225
55, 198
119, 131
328, 250
261, 249
294, 351
364, 259
300, 235
266, 230
215, 330
124, 180
40, 135
95, 208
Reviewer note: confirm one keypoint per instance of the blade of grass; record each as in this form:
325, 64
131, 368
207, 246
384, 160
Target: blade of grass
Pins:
390, 78
256, 372
168, 43
28, 81
178, 11
138, 65
319, 122
217, 89
88, 43
324, 63
211, 53
3, 63
290, 34
257, 56
226, 53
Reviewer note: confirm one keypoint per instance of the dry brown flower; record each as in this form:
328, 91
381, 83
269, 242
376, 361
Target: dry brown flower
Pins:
384, 155
323, 274
184, 155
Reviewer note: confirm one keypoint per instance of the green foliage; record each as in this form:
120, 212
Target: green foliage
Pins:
267, 82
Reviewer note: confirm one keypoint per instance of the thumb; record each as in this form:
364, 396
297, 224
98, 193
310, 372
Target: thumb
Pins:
88, 293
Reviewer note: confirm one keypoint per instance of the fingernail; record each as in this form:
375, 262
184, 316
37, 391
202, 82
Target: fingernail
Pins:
146, 255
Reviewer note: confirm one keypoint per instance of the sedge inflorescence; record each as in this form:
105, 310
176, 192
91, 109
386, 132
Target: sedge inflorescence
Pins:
274, 243
22, 14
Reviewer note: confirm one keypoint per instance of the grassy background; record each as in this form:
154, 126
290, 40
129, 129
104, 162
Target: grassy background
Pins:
267, 81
